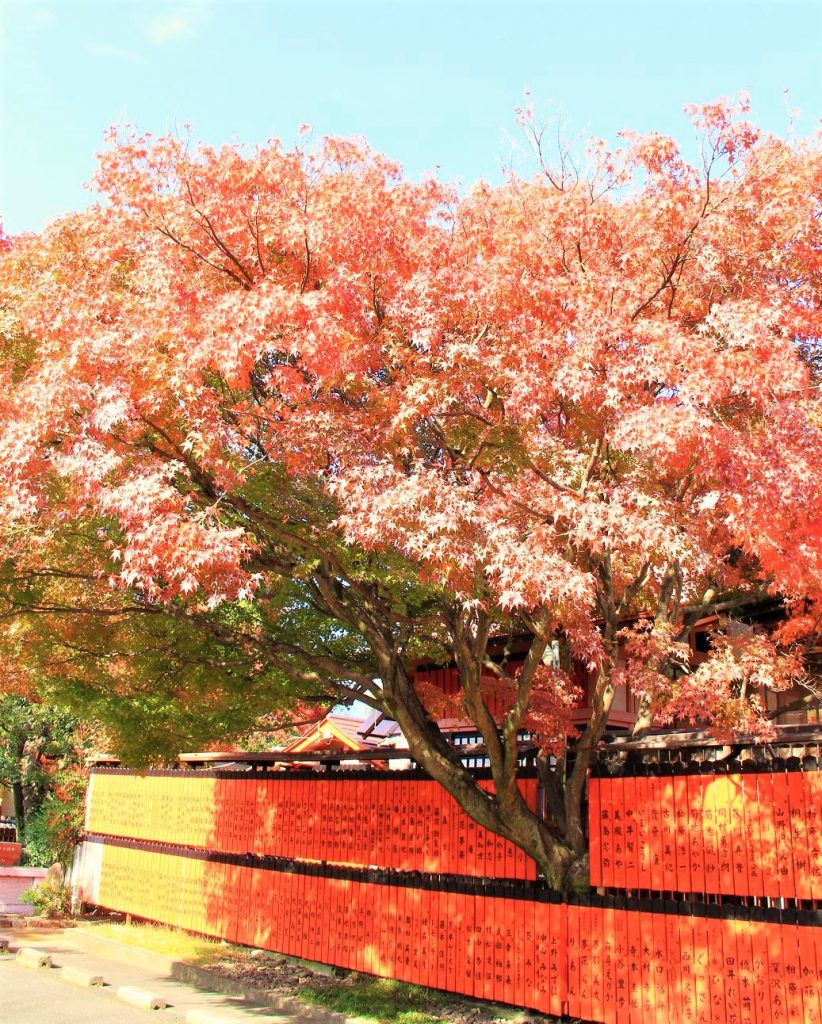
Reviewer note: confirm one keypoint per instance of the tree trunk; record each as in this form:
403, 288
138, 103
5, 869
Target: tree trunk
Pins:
504, 813
19, 810
562, 862
18, 794
577, 783
644, 718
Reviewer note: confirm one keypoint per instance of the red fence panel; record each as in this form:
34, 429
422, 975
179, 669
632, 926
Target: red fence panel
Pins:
609, 959
740, 833
386, 819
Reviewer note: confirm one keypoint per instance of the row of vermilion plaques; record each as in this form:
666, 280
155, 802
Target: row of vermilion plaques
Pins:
384, 819
603, 959
746, 834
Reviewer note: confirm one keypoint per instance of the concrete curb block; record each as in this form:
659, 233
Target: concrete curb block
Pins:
141, 998
28, 956
79, 978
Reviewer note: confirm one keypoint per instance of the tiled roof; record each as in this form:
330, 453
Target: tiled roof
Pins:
329, 731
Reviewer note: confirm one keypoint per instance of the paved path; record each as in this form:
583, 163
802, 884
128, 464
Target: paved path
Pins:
29, 997
38, 996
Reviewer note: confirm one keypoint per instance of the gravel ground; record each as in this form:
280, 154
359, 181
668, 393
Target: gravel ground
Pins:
286, 976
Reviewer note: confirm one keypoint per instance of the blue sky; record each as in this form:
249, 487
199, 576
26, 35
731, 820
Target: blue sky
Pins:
433, 85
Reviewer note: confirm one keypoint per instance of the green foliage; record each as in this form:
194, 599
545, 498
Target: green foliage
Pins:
43, 748
53, 830
50, 898
380, 999
39, 845
160, 679
33, 736
157, 684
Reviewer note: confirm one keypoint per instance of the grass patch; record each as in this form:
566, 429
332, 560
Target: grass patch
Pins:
165, 941
381, 999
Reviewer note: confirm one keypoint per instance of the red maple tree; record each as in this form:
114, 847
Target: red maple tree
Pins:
294, 420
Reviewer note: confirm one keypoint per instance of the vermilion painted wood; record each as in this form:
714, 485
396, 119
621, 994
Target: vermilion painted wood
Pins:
767, 834
642, 824
598, 956
624, 992
792, 965
585, 969
601, 963
783, 835
405, 823
810, 956
749, 834
676, 973
630, 860
682, 845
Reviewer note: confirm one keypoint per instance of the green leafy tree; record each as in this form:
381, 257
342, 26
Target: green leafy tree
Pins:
42, 752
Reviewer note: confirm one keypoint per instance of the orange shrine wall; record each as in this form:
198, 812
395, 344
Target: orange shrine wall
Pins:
705, 911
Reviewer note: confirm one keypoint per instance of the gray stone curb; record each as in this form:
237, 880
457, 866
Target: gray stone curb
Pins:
141, 998
28, 956
79, 978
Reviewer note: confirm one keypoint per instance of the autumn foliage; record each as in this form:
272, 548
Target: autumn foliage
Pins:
285, 418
